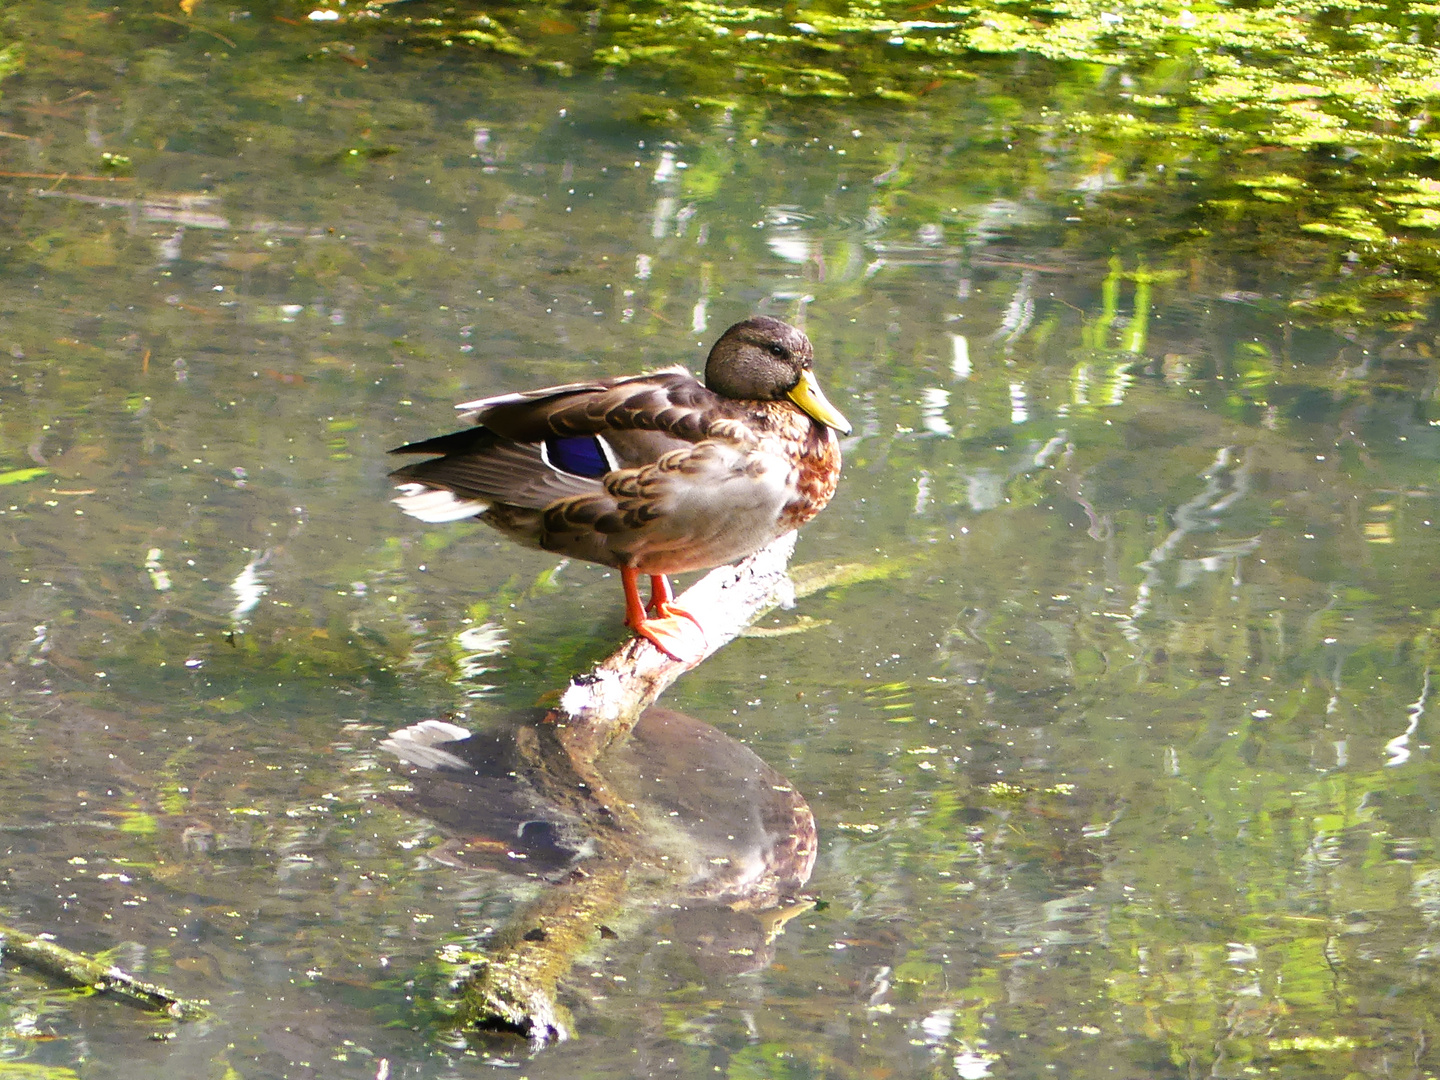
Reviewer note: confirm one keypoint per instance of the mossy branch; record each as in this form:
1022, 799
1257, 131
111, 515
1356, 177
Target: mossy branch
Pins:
50, 959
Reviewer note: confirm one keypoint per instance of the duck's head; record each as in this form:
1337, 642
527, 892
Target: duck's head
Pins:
764, 359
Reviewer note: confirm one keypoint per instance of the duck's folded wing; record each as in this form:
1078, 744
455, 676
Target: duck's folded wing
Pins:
672, 401
481, 466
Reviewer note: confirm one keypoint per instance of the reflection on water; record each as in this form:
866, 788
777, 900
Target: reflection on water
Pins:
469, 785
1113, 711
723, 839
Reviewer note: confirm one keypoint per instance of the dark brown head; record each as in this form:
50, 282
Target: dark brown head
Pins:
764, 359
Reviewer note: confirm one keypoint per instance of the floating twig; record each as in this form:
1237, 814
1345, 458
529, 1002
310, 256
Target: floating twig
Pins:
194, 26
81, 970
65, 176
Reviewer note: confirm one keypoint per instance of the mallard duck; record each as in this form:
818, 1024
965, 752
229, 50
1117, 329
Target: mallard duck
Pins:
652, 474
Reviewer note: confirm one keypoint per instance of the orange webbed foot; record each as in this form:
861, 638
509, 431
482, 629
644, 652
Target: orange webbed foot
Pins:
673, 630
676, 633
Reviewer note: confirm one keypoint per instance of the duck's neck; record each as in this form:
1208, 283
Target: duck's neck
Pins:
785, 419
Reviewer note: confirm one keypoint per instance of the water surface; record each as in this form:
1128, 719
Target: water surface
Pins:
1115, 725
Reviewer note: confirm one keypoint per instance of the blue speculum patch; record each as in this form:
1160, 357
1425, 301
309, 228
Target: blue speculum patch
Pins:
579, 454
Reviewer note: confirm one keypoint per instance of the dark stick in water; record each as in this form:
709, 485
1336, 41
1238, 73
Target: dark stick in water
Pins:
51, 959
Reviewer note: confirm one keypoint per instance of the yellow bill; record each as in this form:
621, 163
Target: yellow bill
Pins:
808, 395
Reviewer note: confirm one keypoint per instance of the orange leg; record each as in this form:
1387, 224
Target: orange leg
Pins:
672, 629
662, 600
660, 594
634, 606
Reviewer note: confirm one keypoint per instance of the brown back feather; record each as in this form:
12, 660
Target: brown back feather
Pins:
672, 402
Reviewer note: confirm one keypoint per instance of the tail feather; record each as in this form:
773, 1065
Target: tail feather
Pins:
473, 440
423, 744
436, 505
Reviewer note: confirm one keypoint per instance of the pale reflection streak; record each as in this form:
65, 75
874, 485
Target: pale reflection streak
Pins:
664, 213
1425, 894
794, 247
171, 247
1080, 385
985, 488
1112, 390
787, 240
1019, 313
1121, 379
1019, 410
960, 365
937, 1025
1195, 515
1054, 445
248, 589
159, 576
933, 402
479, 645
36, 648
922, 492
178, 209
1172, 761
973, 1064
922, 253
1398, 748
666, 167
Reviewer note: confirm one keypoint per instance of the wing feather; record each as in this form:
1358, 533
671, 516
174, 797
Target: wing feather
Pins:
671, 401
492, 469
501, 460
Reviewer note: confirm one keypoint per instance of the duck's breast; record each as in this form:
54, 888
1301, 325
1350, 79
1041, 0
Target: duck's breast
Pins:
706, 506
815, 476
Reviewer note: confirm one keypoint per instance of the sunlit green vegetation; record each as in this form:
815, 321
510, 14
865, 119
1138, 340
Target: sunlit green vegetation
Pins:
1298, 132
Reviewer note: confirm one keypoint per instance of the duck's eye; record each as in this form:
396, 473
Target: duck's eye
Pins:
777, 350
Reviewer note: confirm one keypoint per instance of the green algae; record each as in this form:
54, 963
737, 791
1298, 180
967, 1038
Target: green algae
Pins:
1205, 99
1299, 73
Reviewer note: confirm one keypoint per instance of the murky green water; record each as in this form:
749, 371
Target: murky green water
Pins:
1119, 747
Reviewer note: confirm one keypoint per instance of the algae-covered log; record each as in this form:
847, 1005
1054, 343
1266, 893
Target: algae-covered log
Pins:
514, 989
51, 959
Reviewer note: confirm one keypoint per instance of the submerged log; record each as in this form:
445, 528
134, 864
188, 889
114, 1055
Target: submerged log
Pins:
83, 971
514, 988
